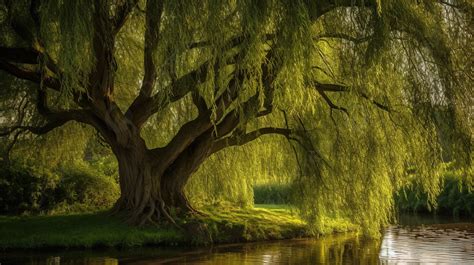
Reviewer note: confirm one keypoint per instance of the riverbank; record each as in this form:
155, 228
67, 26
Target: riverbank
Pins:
96, 230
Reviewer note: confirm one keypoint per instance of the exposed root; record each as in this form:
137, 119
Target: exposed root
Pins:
148, 216
153, 212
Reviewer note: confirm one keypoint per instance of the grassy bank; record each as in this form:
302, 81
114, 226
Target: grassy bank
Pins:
223, 224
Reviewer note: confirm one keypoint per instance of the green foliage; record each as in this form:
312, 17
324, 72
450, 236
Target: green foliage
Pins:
83, 189
25, 189
33, 190
454, 199
399, 61
350, 165
230, 176
272, 194
66, 33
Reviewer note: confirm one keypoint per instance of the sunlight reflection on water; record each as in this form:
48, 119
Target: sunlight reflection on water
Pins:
427, 244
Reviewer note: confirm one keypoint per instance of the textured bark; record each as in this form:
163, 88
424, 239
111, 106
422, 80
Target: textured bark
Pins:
149, 194
178, 173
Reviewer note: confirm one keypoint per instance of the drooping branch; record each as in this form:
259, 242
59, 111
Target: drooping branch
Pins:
459, 4
239, 140
326, 6
320, 87
329, 101
9, 147
342, 36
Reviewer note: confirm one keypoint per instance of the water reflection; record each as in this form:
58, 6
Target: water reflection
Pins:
342, 249
418, 244
428, 244
338, 249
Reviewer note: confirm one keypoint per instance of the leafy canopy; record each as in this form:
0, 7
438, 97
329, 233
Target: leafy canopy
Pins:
372, 95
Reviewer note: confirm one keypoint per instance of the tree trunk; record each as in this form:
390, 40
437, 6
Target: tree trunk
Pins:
149, 196
173, 194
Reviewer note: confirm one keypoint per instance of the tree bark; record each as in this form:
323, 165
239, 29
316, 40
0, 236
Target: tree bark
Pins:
150, 195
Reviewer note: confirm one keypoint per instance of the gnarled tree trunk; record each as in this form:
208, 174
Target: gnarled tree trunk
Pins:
149, 193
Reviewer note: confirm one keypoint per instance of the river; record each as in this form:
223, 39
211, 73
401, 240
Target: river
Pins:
414, 241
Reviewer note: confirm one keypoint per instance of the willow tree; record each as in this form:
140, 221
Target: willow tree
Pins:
202, 76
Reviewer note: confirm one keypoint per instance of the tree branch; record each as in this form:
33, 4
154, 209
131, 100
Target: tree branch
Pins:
122, 13
342, 36
329, 5
19, 55
54, 120
239, 140
154, 10
341, 88
143, 107
29, 75
329, 102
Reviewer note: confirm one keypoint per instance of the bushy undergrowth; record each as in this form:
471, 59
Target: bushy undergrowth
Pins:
455, 199
26, 189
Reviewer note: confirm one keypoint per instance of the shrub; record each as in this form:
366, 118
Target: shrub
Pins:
26, 189
84, 189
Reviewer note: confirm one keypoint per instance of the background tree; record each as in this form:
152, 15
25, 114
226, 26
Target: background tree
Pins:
351, 87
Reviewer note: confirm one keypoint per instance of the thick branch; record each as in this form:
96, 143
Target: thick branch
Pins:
154, 10
54, 120
29, 75
146, 105
143, 107
202, 127
198, 127
101, 79
19, 55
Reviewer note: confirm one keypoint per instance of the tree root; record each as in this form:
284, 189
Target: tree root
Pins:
153, 212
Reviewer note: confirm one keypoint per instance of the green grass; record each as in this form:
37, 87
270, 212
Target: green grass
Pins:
276, 207
234, 224
331, 225
79, 231
222, 224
